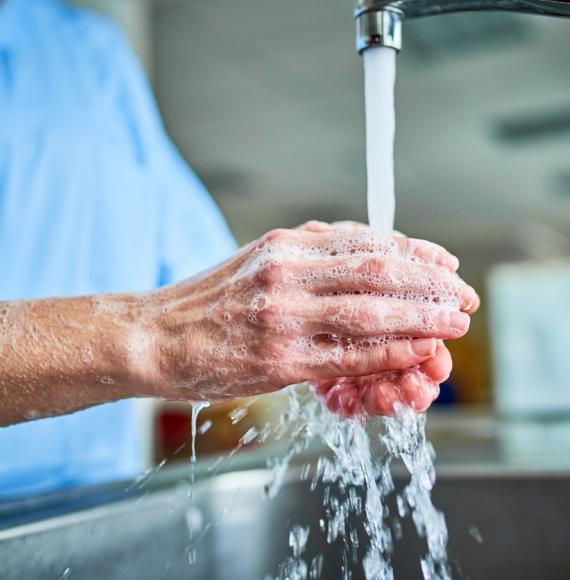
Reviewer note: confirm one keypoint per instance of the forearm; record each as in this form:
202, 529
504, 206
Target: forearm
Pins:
61, 355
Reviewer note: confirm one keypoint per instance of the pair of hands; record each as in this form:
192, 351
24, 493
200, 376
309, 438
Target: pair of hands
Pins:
360, 314
415, 386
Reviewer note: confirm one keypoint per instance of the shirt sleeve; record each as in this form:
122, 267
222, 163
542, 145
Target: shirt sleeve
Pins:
193, 232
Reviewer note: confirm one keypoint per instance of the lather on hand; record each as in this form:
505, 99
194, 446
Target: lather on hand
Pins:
316, 303
378, 394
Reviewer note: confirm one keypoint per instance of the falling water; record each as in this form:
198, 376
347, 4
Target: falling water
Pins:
405, 437
355, 481
379, 81
196, 408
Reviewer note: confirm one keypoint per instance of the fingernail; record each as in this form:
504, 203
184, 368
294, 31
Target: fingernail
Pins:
424, 346
469, 297
459, 321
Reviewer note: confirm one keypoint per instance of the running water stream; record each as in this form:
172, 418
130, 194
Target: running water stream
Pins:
355, 481
196, 408
405, 432
379, 83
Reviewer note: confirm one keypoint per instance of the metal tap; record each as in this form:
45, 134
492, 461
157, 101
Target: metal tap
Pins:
379, 22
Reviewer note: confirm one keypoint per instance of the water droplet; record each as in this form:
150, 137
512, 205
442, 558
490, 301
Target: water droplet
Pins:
475, 534
196, 408
205, 427
238, 414
249, 436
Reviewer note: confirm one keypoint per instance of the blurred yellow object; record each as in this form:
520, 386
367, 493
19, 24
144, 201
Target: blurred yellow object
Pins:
219, 427
471, 374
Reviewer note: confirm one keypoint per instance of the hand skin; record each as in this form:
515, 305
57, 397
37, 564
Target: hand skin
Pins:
311, 304
416, 387
378, 394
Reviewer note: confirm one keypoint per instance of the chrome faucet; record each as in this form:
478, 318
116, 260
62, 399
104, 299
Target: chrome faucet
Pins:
379, 22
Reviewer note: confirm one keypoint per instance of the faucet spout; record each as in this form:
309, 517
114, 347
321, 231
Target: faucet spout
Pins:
378, 22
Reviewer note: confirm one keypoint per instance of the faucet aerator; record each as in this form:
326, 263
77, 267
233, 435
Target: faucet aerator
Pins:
379, 22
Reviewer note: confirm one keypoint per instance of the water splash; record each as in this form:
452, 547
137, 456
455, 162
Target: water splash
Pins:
205, 427
346, 476
196, 408
357, 482
405, 432
405, 438
238, 414
295, 567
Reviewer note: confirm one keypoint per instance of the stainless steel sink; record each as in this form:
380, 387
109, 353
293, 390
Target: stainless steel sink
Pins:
503, 525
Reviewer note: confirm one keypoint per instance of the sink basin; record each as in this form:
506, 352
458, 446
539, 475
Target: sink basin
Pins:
503, 524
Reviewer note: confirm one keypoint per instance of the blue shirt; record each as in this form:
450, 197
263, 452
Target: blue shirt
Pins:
94, 198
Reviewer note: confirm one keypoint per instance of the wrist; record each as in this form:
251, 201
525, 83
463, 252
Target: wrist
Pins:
159, 343
132, 342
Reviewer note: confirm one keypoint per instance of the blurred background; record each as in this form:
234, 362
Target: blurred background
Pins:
265, 100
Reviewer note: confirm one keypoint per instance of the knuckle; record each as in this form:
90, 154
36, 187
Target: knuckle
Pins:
314, 226
270, 316
352, 362
277, 235
404, 244
392, 355
366, 319
270, 275
376, 266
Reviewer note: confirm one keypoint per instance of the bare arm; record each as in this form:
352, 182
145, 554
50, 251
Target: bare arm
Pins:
62, 355
293, 306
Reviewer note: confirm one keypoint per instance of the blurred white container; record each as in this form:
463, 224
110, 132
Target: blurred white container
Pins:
529, 307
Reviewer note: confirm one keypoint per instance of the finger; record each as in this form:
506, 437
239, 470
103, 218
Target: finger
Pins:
318, 240
438, 368
382, 394
344, 399
374, 316
379, 394
316, 226
385, 275
415, 387
418, 390
474, 305
410, 387
346, 395
368, 241
426, 252
350, 225
359, 358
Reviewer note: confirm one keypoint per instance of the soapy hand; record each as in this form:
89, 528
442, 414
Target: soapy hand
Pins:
378, 394
416, 387
315, 303
312, 304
